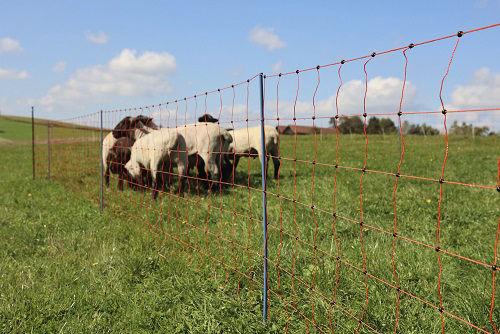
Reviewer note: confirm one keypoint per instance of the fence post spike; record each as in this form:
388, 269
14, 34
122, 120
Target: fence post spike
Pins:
264, 195
33, 139
48, 150
101, 166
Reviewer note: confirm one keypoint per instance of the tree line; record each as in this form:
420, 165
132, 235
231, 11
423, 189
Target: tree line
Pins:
375, 125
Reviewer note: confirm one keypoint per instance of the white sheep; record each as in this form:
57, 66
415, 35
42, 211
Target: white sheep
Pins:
108, 143
204, 143
247, 142
158, 152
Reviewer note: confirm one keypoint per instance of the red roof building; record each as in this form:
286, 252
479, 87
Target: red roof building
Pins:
303, 130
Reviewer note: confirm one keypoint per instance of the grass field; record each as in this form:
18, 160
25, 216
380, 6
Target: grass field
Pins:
182, 264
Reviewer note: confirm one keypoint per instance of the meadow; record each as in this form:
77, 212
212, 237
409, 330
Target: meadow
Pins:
193, 263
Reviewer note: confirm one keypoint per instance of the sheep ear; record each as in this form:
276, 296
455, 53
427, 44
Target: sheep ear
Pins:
151, 124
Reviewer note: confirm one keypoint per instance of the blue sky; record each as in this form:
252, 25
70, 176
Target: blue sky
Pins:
68, 58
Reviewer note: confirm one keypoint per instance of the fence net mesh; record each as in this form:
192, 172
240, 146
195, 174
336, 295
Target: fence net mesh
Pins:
365, 231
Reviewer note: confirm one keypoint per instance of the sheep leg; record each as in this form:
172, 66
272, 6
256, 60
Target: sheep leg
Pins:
182, 170
236, 160
144, 180
202, 174
155, 185
276, 163
155, 188
212, 169
164, 167
227, 169
120, 182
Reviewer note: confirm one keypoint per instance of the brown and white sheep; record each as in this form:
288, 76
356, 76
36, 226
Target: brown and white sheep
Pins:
158, 152
129, 127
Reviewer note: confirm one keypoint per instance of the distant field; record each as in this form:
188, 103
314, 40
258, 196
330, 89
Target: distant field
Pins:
18, 129
66, 265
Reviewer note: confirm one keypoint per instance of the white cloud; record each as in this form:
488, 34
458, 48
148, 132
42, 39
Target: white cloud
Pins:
98, 38
383, 96
266, 37
277, 67
9, 45
482, 91
59, 67
12, 74
126, 75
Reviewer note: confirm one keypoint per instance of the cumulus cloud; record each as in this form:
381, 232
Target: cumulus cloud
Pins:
266, 37
126, 75
12, 74
98, 38
59, 67
277, 67
482, 91
9, 45
383, 96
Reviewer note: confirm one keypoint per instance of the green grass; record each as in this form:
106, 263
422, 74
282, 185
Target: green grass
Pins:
66, 268
10, 129
14, 128
144, 267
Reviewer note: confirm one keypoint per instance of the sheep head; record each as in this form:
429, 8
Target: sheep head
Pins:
147, 121
124, 128
133, 169
207, 118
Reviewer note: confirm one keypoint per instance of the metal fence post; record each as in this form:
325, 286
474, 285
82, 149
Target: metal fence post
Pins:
100, 150
48, 150
33, 139
264, 195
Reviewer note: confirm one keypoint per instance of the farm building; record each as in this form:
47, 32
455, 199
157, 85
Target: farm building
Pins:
303, 130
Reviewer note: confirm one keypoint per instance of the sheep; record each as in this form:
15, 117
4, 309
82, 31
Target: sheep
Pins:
204, 142
248, 141
158, 151
118, 156
141, 125
133, 127
207, 118
107, 144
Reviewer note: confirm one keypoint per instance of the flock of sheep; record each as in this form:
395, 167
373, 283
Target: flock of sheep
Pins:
144, 155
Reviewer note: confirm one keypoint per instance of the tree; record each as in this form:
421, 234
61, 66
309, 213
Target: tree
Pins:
424, 129
387, 126
373, 126
351, 125
468, 129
